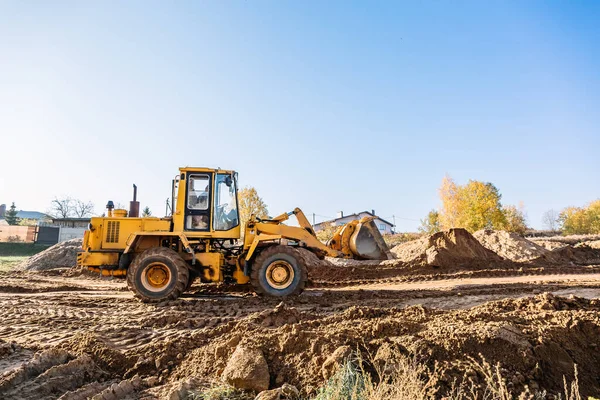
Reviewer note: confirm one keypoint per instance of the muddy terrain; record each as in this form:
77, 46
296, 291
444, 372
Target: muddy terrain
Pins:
69, 335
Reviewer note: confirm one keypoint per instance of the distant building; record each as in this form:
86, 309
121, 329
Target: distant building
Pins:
383, 225
71, 222
33, 215
69, 228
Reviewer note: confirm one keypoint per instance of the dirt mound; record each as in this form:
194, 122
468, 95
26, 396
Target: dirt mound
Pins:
517, 333
586, 253
446, 249
88, 344
550, 245
512, 246
569, 239
61, 255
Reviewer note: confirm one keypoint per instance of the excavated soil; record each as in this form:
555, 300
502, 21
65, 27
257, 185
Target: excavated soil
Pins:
513, 247
79, 337
65, 334
455, 247
61, 255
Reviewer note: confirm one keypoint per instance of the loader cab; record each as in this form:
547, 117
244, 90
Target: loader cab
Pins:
206, 203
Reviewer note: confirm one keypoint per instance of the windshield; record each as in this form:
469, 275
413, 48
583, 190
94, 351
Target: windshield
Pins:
226, 212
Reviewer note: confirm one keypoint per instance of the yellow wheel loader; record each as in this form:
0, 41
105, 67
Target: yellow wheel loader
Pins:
161, 257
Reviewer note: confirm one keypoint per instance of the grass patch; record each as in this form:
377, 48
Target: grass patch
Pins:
220, 392
402, 377
12, 254
8, 262
21, 249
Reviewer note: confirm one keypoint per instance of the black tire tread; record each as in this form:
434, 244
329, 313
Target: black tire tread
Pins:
183, 273
295, 252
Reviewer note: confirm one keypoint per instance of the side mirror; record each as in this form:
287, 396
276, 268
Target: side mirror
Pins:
228, 181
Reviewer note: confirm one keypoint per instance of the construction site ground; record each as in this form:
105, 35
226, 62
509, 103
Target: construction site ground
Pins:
93, 338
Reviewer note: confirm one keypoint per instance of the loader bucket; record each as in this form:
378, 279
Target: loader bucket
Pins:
367, 242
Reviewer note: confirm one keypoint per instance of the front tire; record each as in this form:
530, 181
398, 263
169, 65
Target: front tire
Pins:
158, 274
279, 271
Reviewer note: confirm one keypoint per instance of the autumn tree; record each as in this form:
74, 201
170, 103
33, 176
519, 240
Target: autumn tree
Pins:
146, 212
431, 223
550, 219
581, 220
11, 215
516, 220
474, 206
250, 203
28, 222
326, 233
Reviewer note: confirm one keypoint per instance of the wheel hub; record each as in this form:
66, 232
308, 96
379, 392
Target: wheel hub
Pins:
280, 274
157, 275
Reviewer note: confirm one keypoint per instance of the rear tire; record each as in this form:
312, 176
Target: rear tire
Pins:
279, 271
158, 274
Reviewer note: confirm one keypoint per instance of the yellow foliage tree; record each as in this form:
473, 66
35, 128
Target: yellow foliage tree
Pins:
325, 234
250, 203
581, 220
476, 206
515, 219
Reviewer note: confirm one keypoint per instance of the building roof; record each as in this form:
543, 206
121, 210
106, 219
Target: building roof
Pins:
32, 215
356, 215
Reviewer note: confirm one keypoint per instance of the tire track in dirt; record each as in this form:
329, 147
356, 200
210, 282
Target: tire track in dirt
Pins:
122, 337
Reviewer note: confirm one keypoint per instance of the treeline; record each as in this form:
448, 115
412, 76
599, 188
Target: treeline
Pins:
580, 220
477, 205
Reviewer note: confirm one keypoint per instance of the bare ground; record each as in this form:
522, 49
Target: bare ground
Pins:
81, 336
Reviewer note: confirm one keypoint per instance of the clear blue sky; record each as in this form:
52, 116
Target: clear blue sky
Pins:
327, 106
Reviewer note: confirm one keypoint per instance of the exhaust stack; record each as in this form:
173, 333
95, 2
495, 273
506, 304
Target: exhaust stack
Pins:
134, 206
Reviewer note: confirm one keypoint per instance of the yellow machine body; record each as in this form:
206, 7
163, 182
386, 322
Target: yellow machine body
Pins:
204, 228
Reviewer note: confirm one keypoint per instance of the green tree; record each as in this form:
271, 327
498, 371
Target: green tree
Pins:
431, 223
250, 203
11, 215
146, 212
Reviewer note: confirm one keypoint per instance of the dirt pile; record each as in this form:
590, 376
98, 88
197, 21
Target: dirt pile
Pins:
586, 253
524, 335
569, 239
455, 247
103, 344
61, 255
513, 247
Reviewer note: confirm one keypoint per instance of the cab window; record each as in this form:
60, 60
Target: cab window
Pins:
198, 192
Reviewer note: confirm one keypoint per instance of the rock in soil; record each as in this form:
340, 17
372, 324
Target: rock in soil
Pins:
247, 369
